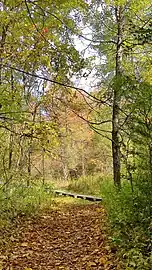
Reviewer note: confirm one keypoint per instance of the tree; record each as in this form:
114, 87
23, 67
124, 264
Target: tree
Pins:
38, 52
35, 42
113, 37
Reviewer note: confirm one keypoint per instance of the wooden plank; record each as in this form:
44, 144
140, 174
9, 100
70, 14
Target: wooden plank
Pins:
81, 196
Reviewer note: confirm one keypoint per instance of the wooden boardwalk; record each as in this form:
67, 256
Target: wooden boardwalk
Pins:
80, 196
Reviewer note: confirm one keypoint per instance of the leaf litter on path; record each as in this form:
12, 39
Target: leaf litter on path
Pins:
69, 238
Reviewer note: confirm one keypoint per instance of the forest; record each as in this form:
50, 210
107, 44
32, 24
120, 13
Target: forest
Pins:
75, 115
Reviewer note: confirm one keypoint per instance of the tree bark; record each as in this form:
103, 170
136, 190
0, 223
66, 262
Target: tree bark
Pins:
10, 154
31, 146
2, 44
116, 100
43, 165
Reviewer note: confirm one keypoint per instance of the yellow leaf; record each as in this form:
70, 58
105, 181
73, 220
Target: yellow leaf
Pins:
1, 266
102, 261
24, 244
91, 264
85, 258
12, 239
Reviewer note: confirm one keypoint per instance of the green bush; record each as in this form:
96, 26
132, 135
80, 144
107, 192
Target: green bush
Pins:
129, 215
19, 199
87, 184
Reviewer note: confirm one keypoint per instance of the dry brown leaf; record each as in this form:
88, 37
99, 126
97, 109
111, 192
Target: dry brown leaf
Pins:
72, 237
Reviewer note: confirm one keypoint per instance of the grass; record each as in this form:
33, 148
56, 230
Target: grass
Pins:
90, 185
64, 201
20, 200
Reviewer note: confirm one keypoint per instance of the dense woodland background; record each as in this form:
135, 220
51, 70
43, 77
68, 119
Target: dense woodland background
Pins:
53, 129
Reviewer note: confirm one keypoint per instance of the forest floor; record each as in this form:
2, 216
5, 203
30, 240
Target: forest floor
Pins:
69, 236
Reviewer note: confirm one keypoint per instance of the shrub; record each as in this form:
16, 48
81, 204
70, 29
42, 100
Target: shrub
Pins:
130, 219
18, 199
87, 184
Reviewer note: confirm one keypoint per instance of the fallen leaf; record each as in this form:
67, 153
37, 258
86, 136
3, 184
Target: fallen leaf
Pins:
12, 238
102, 261
91, 264
72, 237
24, 244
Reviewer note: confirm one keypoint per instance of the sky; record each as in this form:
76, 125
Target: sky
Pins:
89, 82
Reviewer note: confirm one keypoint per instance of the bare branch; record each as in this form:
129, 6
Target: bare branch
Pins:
55, 82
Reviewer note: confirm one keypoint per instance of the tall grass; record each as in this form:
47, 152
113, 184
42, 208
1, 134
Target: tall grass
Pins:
88, 184
18, 200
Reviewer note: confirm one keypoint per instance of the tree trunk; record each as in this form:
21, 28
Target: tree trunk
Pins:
43, 165
64, 152
20, 162
115, 148
12, 128
29, 164
64, 160
10, 154
31, 146
150, 160
83, 161
2, 44
116, 100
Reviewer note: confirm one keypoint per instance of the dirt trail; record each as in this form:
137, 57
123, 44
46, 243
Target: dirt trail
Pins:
68, 238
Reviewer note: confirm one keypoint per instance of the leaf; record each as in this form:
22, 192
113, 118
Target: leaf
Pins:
85, 258
1, 266
24, 244
12, 238
102, 261
73, 230
90, 264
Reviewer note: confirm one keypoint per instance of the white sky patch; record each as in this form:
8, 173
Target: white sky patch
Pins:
88, 81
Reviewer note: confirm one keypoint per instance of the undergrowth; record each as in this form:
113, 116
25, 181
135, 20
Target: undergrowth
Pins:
87, 184
129, 215
18, 199
130, 219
